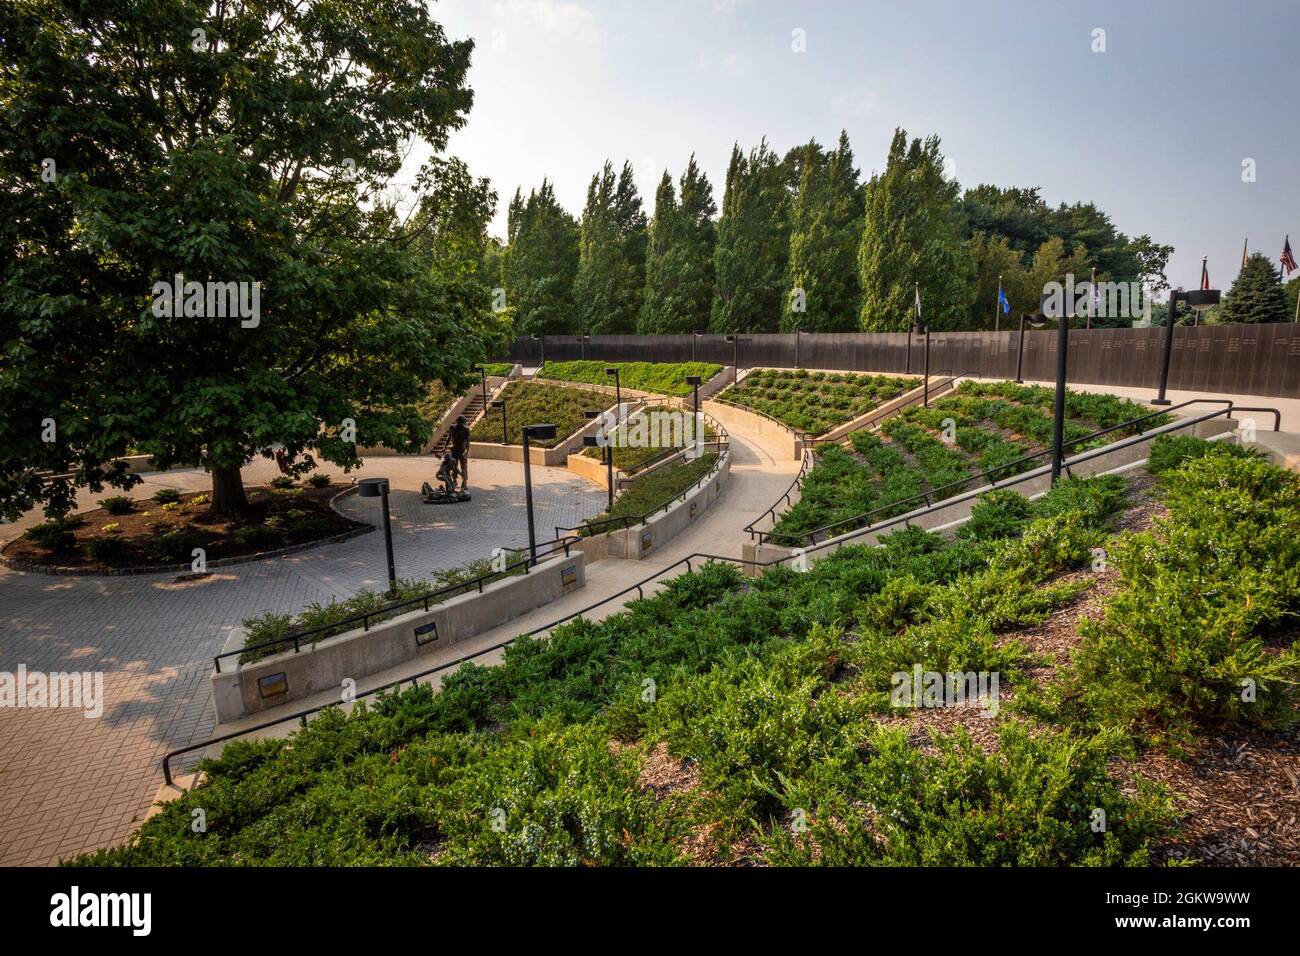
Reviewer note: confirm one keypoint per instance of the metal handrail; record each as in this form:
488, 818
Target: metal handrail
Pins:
808, 459
628, 521
339, 627
811, 536
639, 587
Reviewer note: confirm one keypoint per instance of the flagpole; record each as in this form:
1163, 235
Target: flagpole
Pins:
997, 306
1092, 294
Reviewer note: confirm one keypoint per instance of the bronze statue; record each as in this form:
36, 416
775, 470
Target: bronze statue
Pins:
454, 466
460, 449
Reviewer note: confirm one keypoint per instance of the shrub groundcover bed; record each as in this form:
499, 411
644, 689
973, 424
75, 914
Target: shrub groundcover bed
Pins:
662, 378
979, 428
535, 403
815, 402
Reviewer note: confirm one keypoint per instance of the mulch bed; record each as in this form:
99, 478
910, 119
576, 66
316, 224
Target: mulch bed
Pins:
1238, 792
296, 517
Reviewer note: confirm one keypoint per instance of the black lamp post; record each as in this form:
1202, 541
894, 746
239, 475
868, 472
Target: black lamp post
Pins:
541, 432
1198, 300
798, 337
920, 329
501, 404
1020, 352
585, 336
541, 341
909, 349
1062, 360
694, 382
607, 456
482, 372
734, 342
378, 488
694, 337
618, 392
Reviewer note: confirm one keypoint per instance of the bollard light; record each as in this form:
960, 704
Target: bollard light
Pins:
542, 432
378, 488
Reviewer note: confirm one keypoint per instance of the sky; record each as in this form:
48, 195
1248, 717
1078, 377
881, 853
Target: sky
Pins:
1154, 129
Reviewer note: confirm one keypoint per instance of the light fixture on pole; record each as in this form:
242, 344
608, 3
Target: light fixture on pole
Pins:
1020, 352
734, 342
378, 488
607, 455
501, 404
542, 432
585, 336
694, 382
482, 371
618, 392
798, 336
694, 337
1198, 300
919, 329
1054, 307
541, 341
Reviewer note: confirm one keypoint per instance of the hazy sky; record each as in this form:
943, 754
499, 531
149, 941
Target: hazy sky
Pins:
1154, 130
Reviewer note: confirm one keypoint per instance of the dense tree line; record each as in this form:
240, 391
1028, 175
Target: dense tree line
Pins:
800, 241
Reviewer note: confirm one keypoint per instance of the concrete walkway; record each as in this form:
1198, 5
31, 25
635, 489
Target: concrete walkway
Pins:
70, 783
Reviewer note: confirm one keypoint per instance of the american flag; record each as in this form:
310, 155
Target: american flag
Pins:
1288, 260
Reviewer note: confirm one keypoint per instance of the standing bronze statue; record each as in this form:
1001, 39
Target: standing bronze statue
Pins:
455, 465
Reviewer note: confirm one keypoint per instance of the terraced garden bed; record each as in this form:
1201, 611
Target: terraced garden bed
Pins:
535, 403
814, 402
982, 427
775, 735
662, 378
655, 488
648, 433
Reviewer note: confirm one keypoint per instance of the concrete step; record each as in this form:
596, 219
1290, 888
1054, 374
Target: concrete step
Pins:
1282, 448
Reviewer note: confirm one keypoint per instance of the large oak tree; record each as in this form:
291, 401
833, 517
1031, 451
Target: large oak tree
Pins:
232, 142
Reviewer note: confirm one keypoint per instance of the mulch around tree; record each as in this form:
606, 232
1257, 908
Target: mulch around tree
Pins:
154, 535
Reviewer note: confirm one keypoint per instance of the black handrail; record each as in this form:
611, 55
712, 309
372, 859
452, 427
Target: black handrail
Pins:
340, 626
706, 557
628, 521
989, 474
807, 459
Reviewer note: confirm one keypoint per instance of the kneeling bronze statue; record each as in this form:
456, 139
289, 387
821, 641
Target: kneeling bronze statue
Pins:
447, 476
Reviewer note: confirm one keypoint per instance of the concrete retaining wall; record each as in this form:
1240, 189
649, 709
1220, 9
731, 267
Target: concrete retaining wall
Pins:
557, 457
732, 416
958, 508
239, 690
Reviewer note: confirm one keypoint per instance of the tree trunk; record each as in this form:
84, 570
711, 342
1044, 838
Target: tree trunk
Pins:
228, 497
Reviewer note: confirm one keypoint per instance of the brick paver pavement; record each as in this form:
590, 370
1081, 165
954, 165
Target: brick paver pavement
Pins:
69, 783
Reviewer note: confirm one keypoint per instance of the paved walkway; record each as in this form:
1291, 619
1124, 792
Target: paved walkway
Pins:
70, 783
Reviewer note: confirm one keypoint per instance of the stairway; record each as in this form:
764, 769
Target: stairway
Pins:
472, 412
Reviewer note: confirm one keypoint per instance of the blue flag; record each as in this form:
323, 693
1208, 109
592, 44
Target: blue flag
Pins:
1002, 301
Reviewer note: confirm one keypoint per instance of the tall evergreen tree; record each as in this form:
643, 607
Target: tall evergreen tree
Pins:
914, 234
825, 226
540, 262
679, 263
1256, 294
753, 244
611, 265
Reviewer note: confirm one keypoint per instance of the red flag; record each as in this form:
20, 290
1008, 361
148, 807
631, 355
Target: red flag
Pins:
1205, 273
1288, 260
